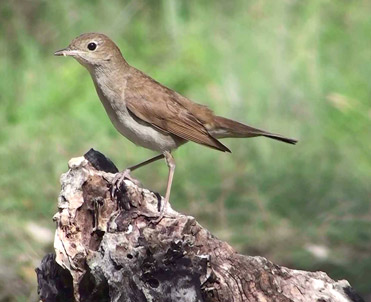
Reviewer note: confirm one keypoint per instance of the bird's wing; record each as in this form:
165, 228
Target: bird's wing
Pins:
159, 108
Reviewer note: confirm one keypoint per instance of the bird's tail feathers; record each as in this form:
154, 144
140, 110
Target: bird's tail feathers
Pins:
229, 128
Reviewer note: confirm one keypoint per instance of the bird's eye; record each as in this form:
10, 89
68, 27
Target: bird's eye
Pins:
92, 46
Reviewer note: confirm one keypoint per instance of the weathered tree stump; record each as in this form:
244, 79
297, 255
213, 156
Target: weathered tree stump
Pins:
111, 250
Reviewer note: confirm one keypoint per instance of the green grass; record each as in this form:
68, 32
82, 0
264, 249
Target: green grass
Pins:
297, 68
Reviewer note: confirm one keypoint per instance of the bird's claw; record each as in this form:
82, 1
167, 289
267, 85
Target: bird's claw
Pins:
162, 210
118, 180
157, 220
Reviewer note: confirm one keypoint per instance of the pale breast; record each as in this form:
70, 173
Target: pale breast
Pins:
137, 131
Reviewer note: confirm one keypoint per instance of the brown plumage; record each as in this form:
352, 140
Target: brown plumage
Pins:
169, 111
148, 113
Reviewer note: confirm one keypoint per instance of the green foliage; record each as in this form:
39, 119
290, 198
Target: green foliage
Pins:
297, 68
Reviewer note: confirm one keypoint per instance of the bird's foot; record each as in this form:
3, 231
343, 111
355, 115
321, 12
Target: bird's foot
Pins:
118, 180
161, 215
158, 219
121, 176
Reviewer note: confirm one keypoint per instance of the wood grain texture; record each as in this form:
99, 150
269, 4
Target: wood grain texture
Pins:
110, 251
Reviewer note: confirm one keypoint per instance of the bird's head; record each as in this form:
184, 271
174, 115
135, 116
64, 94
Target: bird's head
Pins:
91, 50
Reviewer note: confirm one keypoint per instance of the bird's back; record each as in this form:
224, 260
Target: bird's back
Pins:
139, 81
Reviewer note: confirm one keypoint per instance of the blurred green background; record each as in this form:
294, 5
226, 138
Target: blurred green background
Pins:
299, 68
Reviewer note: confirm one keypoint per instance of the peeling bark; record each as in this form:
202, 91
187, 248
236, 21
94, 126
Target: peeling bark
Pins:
108, 250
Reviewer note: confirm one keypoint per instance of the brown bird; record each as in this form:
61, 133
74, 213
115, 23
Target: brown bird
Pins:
148, 113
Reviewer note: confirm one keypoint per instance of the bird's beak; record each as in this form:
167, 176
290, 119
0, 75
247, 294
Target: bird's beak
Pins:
66, 52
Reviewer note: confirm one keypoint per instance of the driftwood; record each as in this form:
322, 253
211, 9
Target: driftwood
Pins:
111, 249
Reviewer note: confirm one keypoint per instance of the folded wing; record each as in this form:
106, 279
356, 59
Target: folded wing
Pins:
159, 108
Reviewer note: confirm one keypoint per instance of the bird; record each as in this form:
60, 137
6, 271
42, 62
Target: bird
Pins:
148, 113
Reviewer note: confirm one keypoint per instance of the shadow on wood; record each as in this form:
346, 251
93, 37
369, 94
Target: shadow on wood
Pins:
108, 250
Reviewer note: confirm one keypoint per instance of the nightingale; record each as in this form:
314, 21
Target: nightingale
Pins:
148, 113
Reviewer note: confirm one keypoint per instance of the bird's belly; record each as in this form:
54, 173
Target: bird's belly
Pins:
144, 135
136, 130
141, 133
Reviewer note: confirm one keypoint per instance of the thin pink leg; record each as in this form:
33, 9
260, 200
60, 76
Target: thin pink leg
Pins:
171, 164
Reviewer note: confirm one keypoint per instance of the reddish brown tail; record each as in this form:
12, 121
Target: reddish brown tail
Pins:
228, 128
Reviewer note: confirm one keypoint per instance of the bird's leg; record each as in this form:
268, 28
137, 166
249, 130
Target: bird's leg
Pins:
120, 177
171, 165
146, 162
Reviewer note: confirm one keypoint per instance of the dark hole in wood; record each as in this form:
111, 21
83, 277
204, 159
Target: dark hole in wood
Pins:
153, 283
